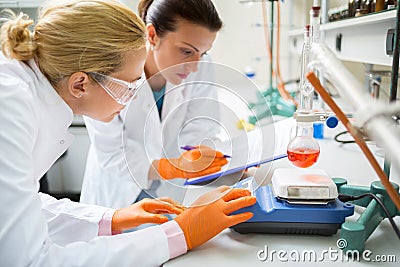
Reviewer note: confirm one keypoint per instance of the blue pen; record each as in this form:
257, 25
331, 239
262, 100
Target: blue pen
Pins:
192, 147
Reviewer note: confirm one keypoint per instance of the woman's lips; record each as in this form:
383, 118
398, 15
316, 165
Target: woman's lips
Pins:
182, 76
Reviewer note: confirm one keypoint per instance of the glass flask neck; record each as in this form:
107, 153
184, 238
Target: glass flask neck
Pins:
304, 129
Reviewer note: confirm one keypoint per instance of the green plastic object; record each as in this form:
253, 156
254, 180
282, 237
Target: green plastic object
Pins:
356, 233
270, 103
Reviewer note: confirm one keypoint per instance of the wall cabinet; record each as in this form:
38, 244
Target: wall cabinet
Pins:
364, 39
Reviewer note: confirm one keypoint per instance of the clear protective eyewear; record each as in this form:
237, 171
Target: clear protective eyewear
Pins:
121, 91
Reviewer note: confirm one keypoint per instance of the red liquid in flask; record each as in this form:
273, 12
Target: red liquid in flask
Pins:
303, 157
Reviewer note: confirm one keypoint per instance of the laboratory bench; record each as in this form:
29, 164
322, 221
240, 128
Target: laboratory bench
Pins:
232, 249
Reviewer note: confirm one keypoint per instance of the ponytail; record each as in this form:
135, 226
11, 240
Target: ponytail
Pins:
16, 39
143, 7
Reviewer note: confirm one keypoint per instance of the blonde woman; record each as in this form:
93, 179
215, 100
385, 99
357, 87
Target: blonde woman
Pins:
83, 57
177, 107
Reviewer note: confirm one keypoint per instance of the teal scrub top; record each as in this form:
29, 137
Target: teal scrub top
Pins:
159, 98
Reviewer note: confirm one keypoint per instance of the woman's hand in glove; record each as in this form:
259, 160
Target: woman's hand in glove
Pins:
201, 160
145, 211
210, 214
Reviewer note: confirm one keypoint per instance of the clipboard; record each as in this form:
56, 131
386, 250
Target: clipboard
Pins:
230, 171
250, 149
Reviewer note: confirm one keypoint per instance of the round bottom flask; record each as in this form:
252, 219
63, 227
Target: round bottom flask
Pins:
303, 150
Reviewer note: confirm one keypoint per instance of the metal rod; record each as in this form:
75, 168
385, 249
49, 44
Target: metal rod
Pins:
271, 31
386, 166
395, 62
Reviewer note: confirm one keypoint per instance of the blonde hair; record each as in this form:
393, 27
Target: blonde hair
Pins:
75, 35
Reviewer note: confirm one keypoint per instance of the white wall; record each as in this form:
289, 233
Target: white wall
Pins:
241, 42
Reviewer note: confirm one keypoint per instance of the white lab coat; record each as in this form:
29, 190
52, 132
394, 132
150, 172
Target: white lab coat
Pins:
36, 229
118, 164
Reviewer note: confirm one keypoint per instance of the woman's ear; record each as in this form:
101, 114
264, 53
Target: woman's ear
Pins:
152, 37
77, 83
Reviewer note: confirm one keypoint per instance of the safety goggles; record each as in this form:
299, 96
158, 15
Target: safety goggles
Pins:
121, 91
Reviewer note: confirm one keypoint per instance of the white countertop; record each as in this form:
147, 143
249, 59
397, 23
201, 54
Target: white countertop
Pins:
233, 249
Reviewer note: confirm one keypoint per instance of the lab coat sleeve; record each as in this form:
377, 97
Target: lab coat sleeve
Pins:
64, 216
108, 179
24, 233
204, 106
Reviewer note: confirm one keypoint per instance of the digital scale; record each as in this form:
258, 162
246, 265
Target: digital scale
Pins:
297, 202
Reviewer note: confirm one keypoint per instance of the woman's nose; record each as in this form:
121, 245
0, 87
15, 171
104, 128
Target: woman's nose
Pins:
192, 66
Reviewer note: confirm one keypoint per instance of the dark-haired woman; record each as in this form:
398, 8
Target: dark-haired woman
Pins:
177, 107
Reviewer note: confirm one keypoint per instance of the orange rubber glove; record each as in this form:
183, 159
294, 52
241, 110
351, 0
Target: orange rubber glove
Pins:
145, 211
209, 214
193, 163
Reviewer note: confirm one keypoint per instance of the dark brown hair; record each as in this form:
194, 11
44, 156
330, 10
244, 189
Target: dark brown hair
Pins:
165, 14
